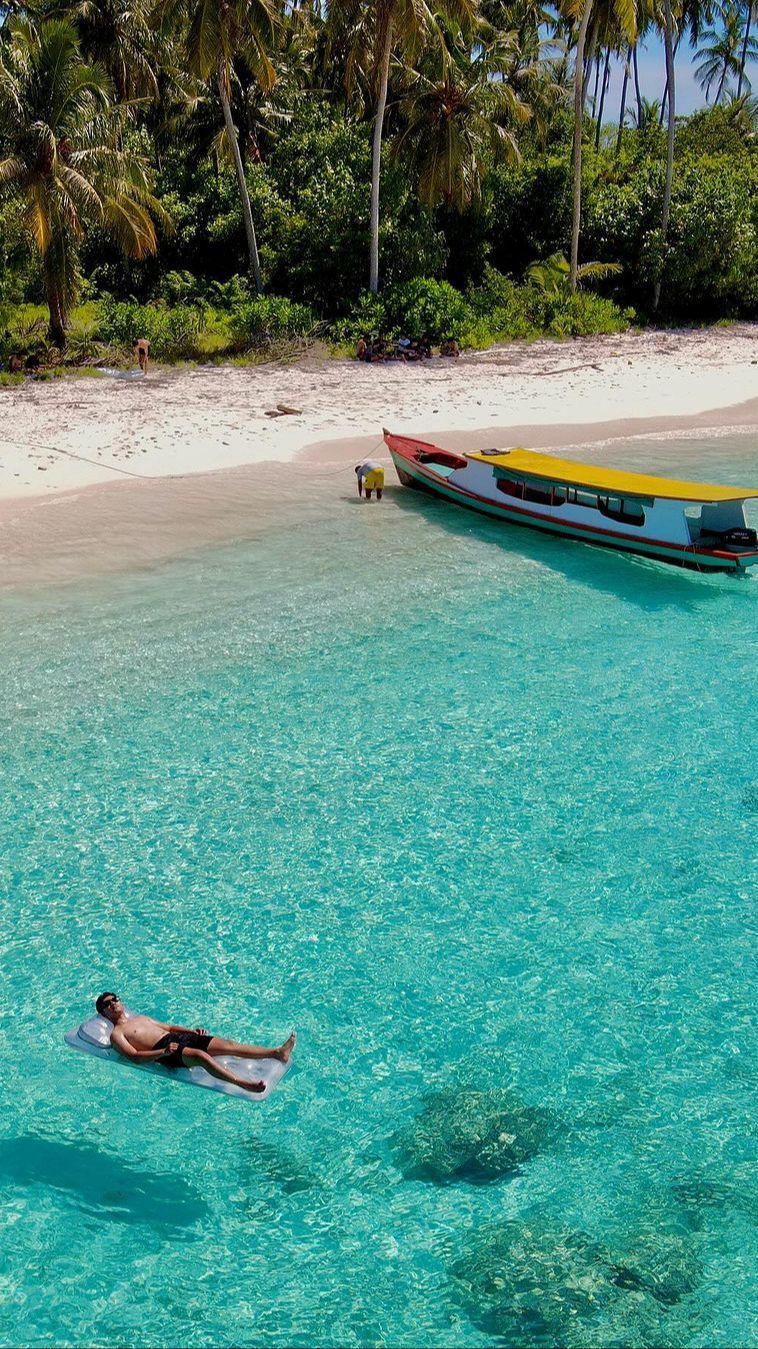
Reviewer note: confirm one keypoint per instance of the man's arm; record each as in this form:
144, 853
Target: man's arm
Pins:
178, 1030
119, 1040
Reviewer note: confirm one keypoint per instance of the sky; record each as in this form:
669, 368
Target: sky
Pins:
689, 95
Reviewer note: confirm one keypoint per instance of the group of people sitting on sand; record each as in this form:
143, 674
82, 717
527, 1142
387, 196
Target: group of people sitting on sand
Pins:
403, 349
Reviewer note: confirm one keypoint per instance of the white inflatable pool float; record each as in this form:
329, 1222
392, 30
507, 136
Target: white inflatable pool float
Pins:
94, 1037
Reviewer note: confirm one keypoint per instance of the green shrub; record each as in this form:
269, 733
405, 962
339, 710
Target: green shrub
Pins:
181, 288
531, 211
709, 266
414, 309
502, 309
578, 315
428, 307
227, 294
173, 333
495, 292
321, 166
271, 317
496, 311
367, 318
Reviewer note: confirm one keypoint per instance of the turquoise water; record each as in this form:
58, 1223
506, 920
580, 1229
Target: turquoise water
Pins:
475, 811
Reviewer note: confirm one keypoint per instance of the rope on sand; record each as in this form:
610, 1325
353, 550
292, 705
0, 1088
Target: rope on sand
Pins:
84, 459
160, 477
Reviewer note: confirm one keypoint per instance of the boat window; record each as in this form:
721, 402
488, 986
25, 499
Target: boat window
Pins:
545, 496
580, 498
538, 494
511, 488
626, 512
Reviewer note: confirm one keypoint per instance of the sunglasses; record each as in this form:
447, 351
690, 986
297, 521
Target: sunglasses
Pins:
109, 1002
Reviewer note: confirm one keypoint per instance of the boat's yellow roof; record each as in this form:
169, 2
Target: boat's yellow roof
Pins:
611, 480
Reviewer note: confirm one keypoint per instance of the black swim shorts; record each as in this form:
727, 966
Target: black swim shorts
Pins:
185, 1039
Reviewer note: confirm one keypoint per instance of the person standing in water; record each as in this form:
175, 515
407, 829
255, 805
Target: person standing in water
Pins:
144, 1040
370, 477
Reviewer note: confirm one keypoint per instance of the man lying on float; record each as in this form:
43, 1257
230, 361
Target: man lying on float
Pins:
144, 1040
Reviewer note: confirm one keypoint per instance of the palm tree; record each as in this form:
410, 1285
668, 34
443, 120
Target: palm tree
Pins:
691, 18
218, 33
668, 45
603, 91
118, 35
63, 159
460, 122
637, 91
743, 54
622, 15
524, 22
742, 113
553, 275
627, 59
377, 29
722, 54
648, 114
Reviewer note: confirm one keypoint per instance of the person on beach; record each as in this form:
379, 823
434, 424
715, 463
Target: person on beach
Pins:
141, 349
370, 477
145, 1040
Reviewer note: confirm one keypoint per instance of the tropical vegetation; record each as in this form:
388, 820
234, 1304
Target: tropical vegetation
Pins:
251, 176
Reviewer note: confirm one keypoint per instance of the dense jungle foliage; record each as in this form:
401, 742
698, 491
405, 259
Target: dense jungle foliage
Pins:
231, 175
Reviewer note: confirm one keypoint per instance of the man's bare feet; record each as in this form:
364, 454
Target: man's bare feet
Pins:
284, 1051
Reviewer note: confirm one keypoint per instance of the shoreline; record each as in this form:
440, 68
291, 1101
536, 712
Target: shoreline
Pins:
134, 524
194, 461
63, 435
549, 436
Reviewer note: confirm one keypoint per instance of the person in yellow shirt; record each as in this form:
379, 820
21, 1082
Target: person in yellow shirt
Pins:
370, 477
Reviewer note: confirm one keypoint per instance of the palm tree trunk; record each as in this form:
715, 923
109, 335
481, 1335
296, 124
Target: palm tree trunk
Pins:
577, 155
743, 56
637, 93
669, 49
56, 329
622, 112
596, 84
664, 100
721, 85
376, 158
603, 88
231, 133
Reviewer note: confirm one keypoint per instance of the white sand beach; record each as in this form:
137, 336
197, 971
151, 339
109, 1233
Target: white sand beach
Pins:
137, 444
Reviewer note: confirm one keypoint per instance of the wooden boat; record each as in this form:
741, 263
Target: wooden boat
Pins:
701, 526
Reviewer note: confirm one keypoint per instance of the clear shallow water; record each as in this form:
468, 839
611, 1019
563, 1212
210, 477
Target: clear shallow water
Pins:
468, 807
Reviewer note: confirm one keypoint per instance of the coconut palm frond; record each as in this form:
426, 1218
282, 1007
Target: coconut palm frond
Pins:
131, 225
553, 274
64, 158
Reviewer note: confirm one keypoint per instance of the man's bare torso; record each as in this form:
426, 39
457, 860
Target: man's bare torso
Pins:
142, 1032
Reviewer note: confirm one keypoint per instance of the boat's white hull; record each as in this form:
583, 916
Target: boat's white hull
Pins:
414, 474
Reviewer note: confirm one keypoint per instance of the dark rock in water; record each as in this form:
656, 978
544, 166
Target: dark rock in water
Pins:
476, 1136
538, 1283
659, 1263
699, 1194
285, 1168
528, 1283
